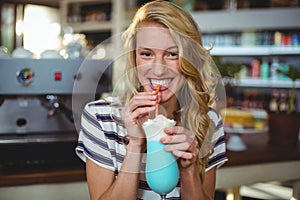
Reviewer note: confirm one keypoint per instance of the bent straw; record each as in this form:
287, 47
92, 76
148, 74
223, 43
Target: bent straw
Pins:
156, 105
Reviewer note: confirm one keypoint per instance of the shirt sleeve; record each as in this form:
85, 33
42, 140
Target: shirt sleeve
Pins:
218, 157
92, 142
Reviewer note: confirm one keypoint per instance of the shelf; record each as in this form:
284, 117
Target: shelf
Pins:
268, 83
85, 1
255, 51
245, 130
91, 26
238, 20
115, 24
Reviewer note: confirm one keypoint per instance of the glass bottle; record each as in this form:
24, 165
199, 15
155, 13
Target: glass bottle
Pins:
264, 69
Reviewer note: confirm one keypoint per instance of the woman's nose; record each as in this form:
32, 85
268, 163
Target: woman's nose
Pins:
159, 66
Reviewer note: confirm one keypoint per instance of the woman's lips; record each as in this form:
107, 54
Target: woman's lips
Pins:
162, 88
164, 83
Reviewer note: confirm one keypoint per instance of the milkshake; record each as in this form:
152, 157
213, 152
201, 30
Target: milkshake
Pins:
162, 172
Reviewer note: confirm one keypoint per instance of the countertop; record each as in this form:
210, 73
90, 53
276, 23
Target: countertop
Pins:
258, 152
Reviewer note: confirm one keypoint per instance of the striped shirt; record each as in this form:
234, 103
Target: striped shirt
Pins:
100, 140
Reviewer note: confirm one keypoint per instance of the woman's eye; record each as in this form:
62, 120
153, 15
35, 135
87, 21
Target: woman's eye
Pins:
173, 54
147, 54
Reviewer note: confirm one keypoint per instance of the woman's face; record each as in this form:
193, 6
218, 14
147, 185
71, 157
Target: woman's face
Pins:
157, 60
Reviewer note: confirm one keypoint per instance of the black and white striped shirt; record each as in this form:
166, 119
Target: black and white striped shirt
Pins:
100, 139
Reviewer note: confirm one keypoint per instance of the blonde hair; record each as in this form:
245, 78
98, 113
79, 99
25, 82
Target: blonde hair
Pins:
195, 64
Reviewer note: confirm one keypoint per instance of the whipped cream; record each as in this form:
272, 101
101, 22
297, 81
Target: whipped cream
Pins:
154, 128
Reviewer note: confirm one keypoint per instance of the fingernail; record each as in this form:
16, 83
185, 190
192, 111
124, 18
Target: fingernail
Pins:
167, 147
166, 129
164, 140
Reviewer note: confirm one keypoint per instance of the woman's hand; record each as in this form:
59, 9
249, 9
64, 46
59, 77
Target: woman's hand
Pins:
183, 144
135, 112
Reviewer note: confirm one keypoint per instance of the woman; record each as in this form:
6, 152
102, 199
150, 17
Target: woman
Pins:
164, 48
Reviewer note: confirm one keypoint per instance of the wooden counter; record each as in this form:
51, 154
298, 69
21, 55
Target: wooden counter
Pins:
259, 162
259, 151
38, 163
28, 177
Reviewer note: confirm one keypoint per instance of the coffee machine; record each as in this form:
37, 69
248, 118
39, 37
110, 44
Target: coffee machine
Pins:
38, 120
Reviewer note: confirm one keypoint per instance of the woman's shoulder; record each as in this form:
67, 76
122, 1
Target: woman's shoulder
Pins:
106, 111
216, 120
214, 114
108, 105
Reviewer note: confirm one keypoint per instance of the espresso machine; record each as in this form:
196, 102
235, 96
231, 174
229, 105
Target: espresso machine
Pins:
41, 101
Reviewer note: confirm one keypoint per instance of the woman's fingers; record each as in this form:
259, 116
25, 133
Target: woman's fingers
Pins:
140, 105
140, 101
182, 143
178, 135
140, 112
183, 154
183, 149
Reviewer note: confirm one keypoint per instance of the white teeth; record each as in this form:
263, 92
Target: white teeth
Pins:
163, 82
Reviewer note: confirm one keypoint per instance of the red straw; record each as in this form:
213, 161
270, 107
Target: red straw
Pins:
156, 106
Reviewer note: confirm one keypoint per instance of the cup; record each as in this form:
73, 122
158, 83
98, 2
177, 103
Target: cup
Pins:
162, 172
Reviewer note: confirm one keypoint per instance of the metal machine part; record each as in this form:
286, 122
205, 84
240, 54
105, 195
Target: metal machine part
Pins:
36, 106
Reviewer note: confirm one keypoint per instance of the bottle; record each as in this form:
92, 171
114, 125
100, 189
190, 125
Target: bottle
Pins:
243, 72
277, 38
273, 104
292, 106
283, 104
273, 70
264, 69
255, 68
284, 67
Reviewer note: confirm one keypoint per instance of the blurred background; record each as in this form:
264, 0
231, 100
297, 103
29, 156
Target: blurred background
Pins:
52, 50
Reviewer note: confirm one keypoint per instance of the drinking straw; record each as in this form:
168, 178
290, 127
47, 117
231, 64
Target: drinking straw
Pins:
156, 106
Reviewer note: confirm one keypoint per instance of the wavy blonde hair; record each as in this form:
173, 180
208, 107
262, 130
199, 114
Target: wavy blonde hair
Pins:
195, 64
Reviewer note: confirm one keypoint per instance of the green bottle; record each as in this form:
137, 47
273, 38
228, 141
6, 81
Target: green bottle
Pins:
264, 69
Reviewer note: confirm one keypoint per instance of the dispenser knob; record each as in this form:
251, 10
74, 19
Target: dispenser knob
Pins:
25, 76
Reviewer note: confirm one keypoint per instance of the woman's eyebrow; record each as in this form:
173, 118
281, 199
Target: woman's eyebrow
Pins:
172, 47
147, 48
143, 48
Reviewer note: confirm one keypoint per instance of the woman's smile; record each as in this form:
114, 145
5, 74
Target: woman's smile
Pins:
157, 60
164, 83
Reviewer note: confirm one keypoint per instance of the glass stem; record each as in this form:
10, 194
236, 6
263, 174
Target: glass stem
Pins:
163, 197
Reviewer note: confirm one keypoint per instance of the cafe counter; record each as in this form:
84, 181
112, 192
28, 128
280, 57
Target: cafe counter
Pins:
260, 162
